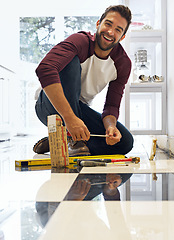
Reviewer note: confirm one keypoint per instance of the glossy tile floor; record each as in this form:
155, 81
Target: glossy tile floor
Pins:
114, 202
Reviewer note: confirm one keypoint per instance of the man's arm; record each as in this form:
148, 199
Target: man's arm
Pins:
113, 133
113, 99
75, 125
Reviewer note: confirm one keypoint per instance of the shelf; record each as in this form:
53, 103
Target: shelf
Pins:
147, 84
146, 87
146, 101
147, 33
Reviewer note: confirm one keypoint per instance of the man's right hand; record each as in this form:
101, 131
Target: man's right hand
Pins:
75, 125
77, 129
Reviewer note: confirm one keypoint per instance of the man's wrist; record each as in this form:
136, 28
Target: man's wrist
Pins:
109, 121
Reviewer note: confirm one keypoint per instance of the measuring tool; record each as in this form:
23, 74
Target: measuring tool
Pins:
98, 135
47, 161
72, 160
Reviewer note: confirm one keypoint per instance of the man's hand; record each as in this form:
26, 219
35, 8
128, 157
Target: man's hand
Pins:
75, 125
77, 129
113, 133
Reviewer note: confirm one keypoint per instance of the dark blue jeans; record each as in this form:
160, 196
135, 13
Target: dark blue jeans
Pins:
71, 82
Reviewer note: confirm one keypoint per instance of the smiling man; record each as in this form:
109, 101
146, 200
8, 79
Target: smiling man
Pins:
109, 32
74, 72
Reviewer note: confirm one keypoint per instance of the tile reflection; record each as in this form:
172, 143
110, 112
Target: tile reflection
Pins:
72, 168
26, 220
125, 187
152, 187
45, 210
97, 187
69, 169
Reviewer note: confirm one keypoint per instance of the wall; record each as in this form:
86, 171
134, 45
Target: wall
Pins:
167, 142
170, 73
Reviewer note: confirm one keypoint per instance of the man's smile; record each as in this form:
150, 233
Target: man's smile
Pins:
107, 38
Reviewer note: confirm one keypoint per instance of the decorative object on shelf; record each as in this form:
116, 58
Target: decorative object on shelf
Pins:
155, 78
141, 66
143, 78
147, 27
141, 58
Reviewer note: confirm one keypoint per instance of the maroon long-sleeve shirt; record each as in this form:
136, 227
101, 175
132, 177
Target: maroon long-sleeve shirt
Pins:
96, 72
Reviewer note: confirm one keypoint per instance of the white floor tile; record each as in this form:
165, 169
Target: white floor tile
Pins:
56, 187
111, 220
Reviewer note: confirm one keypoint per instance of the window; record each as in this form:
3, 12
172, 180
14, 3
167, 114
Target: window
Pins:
37, 37
73, 24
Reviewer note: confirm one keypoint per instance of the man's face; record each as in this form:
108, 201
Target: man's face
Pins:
110, 31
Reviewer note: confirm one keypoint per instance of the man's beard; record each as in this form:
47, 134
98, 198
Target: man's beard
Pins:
99, 42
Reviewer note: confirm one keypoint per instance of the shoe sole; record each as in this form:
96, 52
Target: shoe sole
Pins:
38, 143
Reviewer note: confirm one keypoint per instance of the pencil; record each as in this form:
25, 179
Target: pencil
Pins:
98, 135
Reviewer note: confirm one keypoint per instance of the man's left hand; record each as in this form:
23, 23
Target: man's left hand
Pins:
114, 135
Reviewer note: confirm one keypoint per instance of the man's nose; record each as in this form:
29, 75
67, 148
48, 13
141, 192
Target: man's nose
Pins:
111, 32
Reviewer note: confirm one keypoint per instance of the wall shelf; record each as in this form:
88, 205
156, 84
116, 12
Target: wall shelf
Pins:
145, 102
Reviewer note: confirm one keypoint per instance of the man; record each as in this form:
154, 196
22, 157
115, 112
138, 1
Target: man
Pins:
71, 75
89, 186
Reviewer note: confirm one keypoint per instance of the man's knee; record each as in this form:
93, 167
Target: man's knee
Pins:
130, 143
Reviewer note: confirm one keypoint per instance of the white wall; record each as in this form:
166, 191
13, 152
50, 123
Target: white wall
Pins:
170, 73
167, 142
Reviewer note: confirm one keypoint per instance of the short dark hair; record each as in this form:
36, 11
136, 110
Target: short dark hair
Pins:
124, 11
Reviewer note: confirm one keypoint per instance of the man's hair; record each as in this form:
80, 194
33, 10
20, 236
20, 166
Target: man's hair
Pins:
122, 10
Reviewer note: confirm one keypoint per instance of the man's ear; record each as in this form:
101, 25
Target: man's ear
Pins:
122, 37
97, 24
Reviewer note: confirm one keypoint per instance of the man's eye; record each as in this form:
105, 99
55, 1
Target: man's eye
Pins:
107, 24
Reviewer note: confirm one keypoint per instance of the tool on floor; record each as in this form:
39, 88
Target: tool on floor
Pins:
130, 159
153, 149
33, 162
117, 159
72, 160
96, 163
116, 156
100, 160
91, 163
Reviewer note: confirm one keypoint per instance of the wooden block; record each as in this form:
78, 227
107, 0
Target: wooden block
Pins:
57, 142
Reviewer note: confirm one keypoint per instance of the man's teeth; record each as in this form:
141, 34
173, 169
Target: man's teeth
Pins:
107, 38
